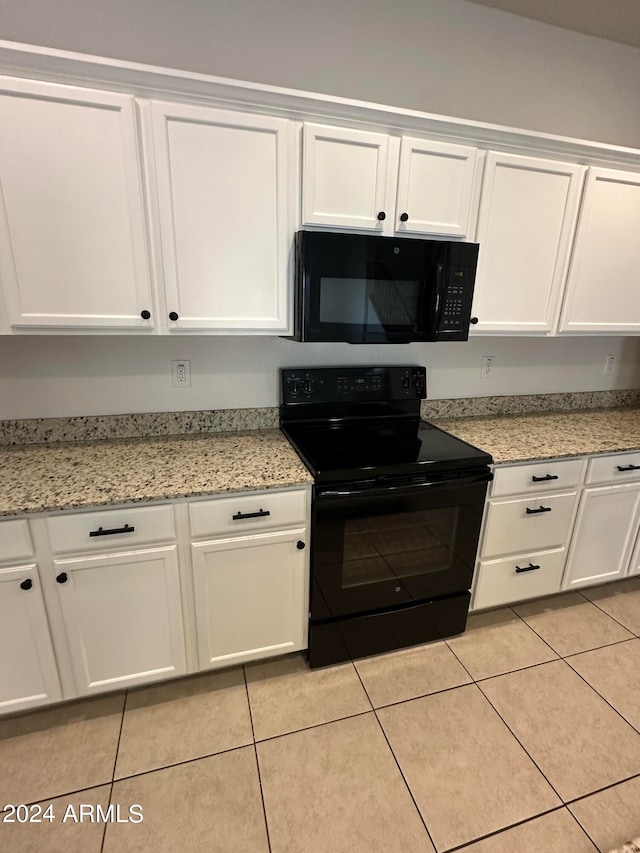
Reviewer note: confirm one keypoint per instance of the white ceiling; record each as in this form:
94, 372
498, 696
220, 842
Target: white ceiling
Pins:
617, 20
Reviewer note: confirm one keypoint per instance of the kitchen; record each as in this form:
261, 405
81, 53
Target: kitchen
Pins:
68, 376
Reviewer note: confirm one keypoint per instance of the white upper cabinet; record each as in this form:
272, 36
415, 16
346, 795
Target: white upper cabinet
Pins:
73, 248
223, 185
527, 219
602, 292
435, 188
344, 177
354, 179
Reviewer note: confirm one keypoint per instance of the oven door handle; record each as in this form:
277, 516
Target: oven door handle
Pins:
336, 494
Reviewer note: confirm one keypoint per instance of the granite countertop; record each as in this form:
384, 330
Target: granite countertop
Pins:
73, 475
527, 438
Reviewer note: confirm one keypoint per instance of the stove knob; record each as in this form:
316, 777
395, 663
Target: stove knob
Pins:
307, 386
406, 382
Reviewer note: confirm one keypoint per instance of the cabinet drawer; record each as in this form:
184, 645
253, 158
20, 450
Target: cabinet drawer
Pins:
240, 514
606, 469
537, 477
114, 528
511, 529
15, 541
500, 582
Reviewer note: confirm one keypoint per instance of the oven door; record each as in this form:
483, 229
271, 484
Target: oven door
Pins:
375, 548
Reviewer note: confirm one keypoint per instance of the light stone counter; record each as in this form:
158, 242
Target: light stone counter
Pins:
527, 438
42, 478
50, 477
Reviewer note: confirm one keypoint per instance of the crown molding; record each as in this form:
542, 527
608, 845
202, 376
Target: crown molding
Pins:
148, 81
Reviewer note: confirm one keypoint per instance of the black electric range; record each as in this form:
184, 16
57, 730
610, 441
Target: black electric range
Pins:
396, 514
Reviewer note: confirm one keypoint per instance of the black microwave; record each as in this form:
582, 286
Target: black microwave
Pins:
368, 289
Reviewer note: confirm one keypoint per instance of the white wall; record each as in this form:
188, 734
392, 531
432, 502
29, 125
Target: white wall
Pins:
441, 56
64, 376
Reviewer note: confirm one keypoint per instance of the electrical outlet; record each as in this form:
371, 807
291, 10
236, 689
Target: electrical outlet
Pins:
610, 364
181, 374
487, 366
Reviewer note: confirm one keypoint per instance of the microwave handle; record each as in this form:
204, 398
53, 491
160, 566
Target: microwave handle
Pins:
439, 298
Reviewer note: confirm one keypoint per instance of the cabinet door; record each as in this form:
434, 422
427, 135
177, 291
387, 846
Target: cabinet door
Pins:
344, 177
223, 196
435, 188
528, 212
73, 250
602, 292
123, 618
28, 673
250, 597
604, 534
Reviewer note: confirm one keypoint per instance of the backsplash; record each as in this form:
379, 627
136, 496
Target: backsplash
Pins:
39, 430
519, 404
45, 430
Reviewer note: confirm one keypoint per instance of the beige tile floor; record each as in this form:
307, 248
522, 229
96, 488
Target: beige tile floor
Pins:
523, 735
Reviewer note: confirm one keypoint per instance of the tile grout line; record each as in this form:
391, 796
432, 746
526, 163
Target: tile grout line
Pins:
481, 838
255, 753
585, 651
583, 828
65, 794
519, 742
466, 669
602, 790
602, 610
115, 761
561, 656
599, 648
384, 735
582, 796
604, 699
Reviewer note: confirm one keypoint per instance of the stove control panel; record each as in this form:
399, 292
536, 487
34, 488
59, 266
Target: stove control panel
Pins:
352, 384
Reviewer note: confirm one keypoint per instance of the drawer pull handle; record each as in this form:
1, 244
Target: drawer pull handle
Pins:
111, 531
260, 514
26, 584
628, 467
529, 568
62, 577
539, 510
545, 478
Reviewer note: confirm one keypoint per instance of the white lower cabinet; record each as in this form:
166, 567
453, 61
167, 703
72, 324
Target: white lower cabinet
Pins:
250, 595
534, 544
532, 523
526, 530
28, 672
123, 617
604, 535
518, 578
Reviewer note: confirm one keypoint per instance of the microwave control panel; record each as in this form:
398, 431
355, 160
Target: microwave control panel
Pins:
456, 308
352, 384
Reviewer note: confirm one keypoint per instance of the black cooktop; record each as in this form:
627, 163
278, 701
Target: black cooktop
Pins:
341, 452
363, 423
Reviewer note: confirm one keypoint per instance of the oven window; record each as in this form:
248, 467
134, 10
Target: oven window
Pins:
383, 547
